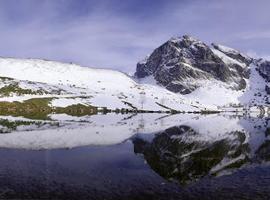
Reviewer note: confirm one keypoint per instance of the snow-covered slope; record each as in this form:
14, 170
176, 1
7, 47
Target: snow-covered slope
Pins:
184, 74
72, 84
67, 74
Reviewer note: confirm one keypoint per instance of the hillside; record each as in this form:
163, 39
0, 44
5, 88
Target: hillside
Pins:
182, 75
69, 84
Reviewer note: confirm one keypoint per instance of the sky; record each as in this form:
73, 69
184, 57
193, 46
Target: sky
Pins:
116, 34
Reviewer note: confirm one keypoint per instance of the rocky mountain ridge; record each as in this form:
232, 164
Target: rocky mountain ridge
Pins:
183, 64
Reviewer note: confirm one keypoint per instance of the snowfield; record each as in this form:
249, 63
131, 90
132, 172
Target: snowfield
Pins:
103, 88
71, 84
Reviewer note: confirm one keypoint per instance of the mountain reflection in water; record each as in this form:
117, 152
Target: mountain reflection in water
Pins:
186, 155
148, 156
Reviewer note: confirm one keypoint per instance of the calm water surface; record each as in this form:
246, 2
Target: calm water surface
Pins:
192, 157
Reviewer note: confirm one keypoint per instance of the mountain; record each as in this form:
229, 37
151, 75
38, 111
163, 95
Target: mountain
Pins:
214, 73
180, 63
182, 75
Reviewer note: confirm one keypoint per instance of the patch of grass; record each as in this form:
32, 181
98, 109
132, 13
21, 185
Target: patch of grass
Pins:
15, 88
39, 108
32, 108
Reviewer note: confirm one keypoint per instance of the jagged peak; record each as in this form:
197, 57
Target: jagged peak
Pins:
190, 38
185, 38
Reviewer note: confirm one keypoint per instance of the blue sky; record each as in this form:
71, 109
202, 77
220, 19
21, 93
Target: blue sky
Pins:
118, 33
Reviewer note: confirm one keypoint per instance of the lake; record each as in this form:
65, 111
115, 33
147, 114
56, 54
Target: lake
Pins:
135, 156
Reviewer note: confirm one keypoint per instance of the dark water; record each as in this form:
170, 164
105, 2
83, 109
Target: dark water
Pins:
175, 163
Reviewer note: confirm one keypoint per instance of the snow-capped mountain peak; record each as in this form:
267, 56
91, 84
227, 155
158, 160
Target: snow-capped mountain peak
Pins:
180, 64
187, 65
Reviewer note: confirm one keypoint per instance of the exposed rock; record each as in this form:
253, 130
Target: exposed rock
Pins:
181, 63
264, 69
267, 89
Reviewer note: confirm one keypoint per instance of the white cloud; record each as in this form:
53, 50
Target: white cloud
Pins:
108, 38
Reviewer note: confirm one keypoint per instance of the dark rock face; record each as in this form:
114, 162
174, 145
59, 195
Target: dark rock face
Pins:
180, 63
175, 154
267, 89
264, 69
